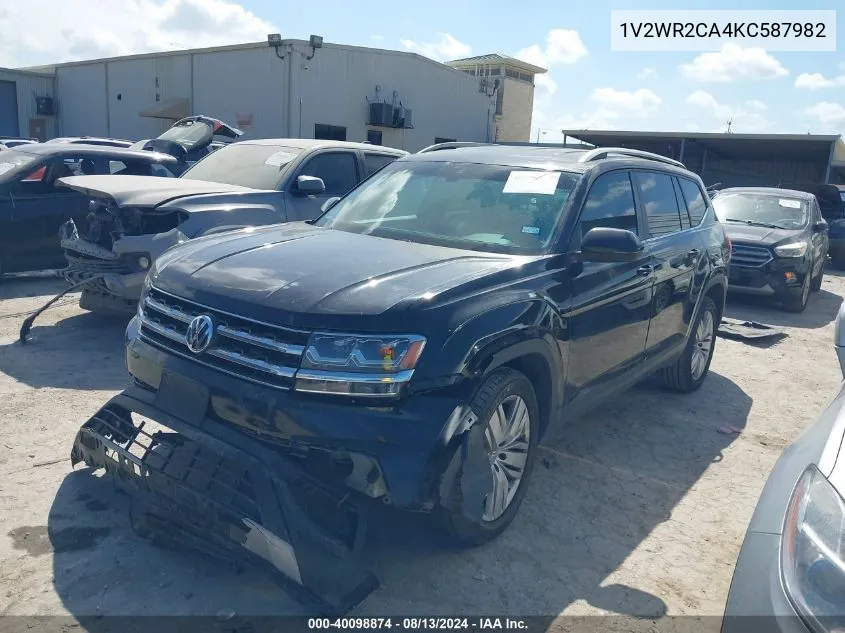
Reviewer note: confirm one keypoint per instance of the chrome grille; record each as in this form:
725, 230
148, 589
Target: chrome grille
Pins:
745, 255
258, 352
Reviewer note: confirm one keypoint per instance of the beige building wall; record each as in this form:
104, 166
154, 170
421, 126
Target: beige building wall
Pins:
514, 124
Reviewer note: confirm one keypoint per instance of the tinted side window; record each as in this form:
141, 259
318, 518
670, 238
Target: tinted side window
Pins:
695, 200
610, 204
682, 205
657, 196
339, 170
374, 162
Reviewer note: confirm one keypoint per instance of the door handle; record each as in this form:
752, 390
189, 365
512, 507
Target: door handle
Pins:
646, 269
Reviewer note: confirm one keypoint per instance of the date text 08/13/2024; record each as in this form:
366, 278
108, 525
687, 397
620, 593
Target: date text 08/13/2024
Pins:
419, 623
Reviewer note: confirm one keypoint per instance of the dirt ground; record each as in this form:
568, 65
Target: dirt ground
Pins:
638, 509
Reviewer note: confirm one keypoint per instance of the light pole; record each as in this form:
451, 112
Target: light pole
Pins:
539, 132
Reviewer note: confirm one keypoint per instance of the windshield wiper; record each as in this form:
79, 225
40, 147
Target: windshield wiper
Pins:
753, 223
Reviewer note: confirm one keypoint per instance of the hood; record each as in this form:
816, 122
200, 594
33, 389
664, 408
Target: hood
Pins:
144, 191
293, 273
757, 234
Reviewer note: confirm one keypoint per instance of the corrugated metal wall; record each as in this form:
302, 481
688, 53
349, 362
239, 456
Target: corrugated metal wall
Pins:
334, 87
29, 86
336, 83
249, 81
83, 104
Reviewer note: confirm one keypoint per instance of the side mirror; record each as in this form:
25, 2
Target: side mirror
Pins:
310, 186
603, 244
820, 227
328, 204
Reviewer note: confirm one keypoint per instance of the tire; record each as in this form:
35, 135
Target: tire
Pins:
683, 376
816, 283
500, 389
798, 303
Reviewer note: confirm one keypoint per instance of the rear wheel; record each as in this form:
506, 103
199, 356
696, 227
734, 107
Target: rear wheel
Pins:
691, 368
508, 422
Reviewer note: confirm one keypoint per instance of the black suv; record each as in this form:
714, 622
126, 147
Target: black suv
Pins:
779, 242
412, 345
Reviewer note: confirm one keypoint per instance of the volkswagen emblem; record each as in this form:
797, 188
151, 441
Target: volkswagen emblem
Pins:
199, 334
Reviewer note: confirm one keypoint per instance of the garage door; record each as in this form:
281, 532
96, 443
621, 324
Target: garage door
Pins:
9, 109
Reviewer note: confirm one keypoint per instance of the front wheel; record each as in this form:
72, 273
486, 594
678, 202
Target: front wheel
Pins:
816, 284
500, 453
691, 368
798, 303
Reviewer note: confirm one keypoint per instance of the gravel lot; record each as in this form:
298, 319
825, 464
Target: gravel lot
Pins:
638, 509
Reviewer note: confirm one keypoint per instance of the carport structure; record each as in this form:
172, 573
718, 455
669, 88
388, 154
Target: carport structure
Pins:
767, 160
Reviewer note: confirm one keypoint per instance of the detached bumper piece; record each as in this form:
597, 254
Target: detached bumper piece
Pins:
190, 489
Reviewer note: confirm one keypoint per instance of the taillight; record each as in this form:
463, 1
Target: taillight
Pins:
727, 246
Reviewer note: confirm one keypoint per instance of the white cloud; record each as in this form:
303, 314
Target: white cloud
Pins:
563, 47
734, 63
45, 31
446, 49
828, 113
545, 84
745, 117
647, 73
638, 103
817, 81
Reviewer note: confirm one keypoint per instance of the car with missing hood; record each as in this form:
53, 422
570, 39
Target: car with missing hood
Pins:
132, 220
779, 242
790, 574
831, 199
410, 347
33, 205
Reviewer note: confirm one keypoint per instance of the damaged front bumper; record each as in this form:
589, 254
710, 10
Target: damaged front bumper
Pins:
116, 275
213, 490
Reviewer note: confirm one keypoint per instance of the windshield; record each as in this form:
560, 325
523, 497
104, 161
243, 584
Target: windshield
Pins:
243, 164
477, 207
13, 160
765, 209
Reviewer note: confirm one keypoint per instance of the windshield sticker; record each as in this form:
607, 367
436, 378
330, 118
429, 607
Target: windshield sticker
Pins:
789, 204
531, 230
538, 182
279, 158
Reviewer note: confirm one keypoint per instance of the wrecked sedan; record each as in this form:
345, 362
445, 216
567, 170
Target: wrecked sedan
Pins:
133, 220
411, 346
33, 205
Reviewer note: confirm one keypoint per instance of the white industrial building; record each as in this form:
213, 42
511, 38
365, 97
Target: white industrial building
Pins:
282, 88
26, 102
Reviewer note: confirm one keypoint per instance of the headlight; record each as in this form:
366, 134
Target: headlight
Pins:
793, 249
358, 364
813, 552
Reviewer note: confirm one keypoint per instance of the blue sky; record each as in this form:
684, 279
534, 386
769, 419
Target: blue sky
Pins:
587, 85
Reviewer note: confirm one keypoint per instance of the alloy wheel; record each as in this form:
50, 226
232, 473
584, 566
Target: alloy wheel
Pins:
702, 345
506, 439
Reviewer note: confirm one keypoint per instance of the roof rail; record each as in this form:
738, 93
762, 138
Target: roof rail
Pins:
450, 145
605, 152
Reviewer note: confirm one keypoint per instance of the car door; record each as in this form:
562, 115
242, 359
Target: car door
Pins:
39, 207
610, 301
677, 251
339, 171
